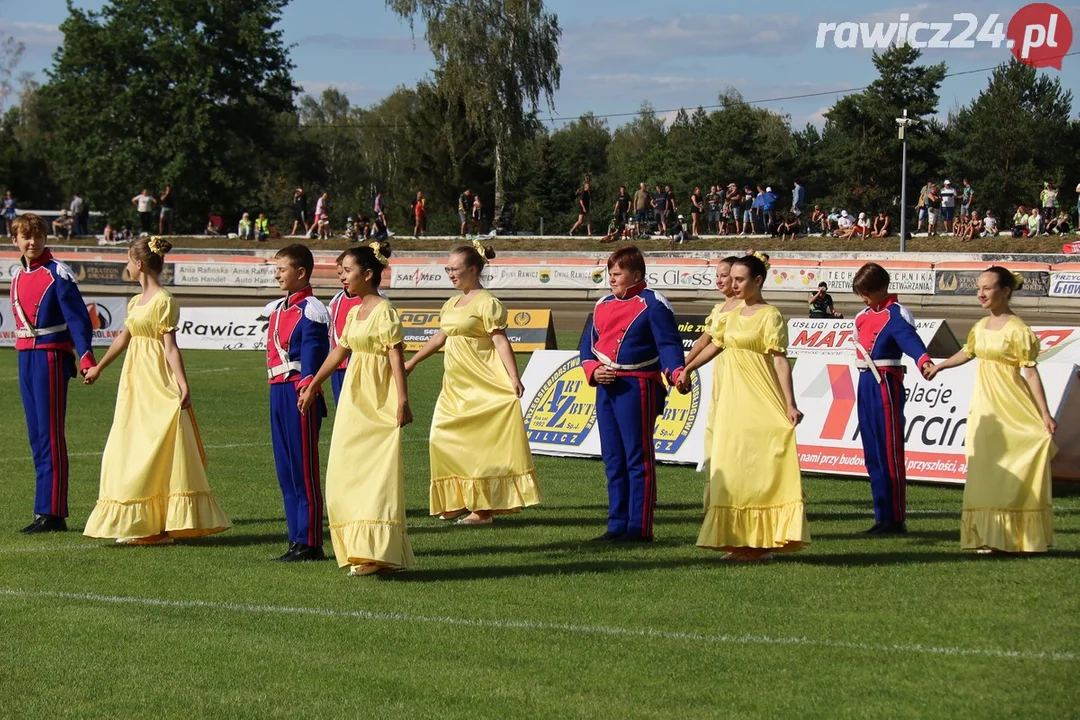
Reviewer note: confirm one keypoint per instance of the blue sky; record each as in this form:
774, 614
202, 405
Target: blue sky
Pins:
617, 53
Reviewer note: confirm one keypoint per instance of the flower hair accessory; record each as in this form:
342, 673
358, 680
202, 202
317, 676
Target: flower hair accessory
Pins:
480, 250
763, 258
1018, 278
155, 245
375, 247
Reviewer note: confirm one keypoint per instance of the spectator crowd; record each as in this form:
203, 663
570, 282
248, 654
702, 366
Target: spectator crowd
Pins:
659, 212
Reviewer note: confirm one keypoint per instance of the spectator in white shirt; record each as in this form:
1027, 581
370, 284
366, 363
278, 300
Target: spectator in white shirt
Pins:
144, 202
990, 224
948, 205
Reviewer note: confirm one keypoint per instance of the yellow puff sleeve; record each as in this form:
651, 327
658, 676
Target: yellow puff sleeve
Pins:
343, 341
969, 346
774, 331
714, 326
389, 329
168, 314
493, 315
1025, 347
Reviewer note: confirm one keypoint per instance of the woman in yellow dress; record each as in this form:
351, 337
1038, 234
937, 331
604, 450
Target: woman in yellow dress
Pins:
365, 476
714, 328
1009, 442
756, 498
153, 472
480, 457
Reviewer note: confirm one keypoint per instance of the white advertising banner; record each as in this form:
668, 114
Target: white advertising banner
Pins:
792, 278
1065, 284
1058, 344
829, 337
222, 328
245, 275
677, 277
935, 414
556, 277
917, 281
429, 276
107, 315
560, 412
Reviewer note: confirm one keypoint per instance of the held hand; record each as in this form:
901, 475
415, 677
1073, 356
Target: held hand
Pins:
930, 370
794, 415
519, 389
307, 396
409, 365
1050, 424
404, 415
604, 375
91, 375
685, 382
185, 397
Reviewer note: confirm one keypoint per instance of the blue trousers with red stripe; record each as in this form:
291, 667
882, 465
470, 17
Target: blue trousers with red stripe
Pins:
337, 379
43, 383
626, 412
296, 454
881, 427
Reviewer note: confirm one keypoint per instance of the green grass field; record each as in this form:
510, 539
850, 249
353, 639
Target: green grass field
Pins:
522, 619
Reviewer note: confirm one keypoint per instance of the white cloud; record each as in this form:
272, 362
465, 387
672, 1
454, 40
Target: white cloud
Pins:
614, 40
33, 34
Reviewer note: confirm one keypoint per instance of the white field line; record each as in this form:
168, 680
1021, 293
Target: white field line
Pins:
539, 626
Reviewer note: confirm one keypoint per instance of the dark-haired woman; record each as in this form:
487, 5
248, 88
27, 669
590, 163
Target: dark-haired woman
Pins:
480, 457
153, 472
755, 485
1009, 442
365, 476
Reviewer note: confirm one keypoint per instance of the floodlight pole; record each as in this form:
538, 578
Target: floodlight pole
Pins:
903, 122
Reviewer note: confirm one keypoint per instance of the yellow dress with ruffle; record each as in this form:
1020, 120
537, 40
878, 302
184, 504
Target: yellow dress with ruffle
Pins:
1007, 504
480, 457
714, 326
365, 475
755, 486
153, 471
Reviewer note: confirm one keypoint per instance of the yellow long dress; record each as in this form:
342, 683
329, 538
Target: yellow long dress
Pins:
480, 457
714, 326
1007, 504
153, 472
755, 493
365, 476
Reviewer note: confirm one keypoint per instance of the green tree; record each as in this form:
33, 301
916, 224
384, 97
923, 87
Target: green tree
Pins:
1014, 136
187, 92
860, 150
499, 58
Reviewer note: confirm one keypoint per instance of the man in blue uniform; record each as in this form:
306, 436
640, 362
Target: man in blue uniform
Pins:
629, 345
52, 326
884, 333
297, 345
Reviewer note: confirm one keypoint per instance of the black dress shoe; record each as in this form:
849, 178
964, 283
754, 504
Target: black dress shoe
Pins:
632, 539
293, 547
875, 530
48, 524
305, 553
899, 528
31, 525
607, 537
